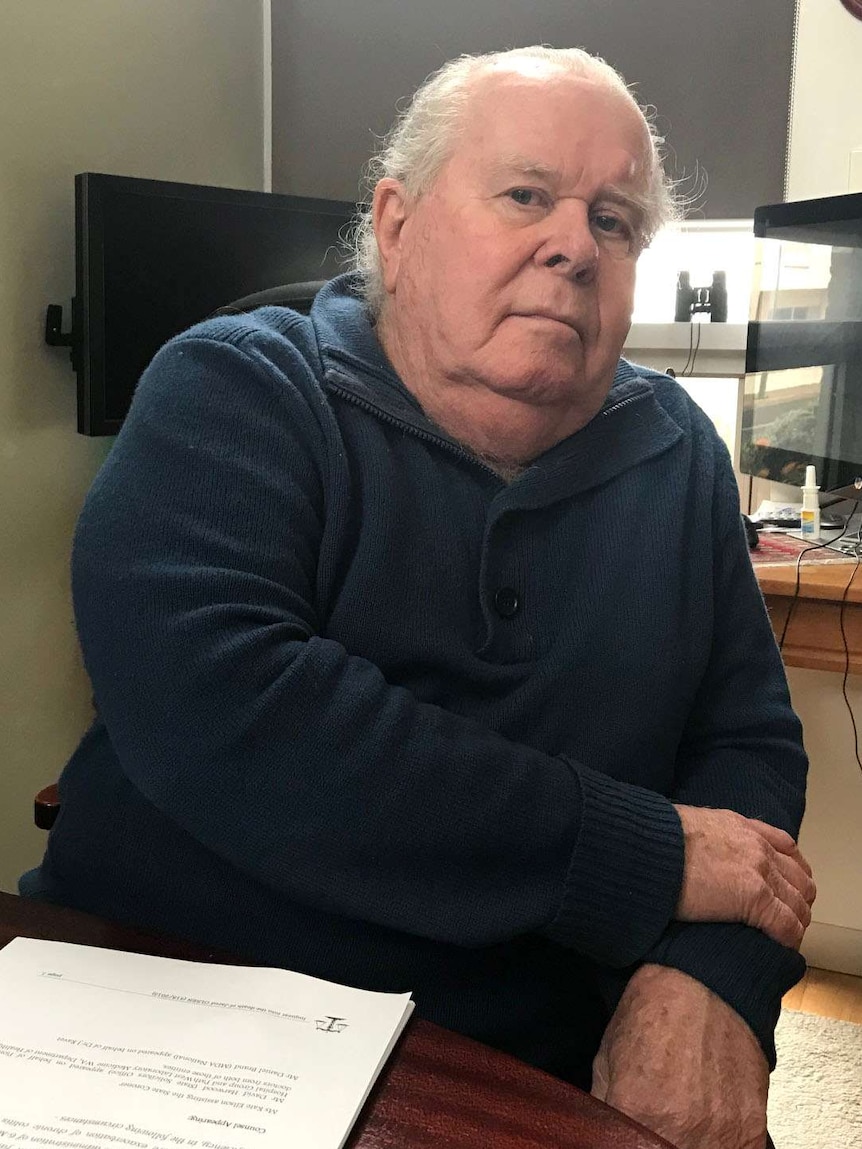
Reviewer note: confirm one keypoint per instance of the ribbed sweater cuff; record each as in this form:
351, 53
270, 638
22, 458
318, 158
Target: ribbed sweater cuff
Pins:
743, 966
626, 871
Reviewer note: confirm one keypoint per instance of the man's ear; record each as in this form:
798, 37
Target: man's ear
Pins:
389, 213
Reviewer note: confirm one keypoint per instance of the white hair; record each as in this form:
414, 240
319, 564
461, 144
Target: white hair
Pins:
425, 133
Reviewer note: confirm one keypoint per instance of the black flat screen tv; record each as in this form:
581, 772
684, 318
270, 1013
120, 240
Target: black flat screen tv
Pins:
803, 386
154, 257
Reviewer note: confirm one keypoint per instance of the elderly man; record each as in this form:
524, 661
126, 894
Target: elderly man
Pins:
424, 637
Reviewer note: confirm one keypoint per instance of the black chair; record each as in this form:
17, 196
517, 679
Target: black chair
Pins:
298, 296
46, 807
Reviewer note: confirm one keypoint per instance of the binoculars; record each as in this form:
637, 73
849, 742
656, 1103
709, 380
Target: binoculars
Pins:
712, 299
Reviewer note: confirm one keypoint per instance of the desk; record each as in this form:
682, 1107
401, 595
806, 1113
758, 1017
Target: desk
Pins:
814, 636
439, 1090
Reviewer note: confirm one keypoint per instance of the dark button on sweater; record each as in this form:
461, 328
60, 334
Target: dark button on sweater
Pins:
506, 602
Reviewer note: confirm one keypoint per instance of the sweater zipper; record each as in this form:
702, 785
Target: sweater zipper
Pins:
403, 425
624, 403
446, 444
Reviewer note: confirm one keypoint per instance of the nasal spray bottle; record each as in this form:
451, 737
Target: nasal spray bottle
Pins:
809, 519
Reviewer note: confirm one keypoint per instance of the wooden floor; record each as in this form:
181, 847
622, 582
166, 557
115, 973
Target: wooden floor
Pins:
828, 994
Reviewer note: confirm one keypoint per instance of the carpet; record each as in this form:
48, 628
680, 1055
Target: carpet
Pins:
815, 1095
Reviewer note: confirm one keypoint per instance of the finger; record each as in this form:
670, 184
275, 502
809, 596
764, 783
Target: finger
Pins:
797, 877
600, 1079
775, 918
790, 895
782, 925
800, 858
781, 841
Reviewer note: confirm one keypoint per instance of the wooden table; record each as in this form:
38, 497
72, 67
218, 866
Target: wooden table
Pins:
814, 635
439, 1091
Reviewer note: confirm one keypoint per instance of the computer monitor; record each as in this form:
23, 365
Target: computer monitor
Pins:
803, 388
154, 257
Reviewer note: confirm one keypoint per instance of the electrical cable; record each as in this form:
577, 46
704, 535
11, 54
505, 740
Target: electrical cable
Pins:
795, 598
847, 660
841, 611
690, 347
694, 347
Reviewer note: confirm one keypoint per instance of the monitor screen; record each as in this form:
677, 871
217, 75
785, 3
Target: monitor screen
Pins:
803, 387
154, 257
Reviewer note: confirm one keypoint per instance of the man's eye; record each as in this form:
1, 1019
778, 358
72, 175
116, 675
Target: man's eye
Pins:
526, 197
611, 224
615, 232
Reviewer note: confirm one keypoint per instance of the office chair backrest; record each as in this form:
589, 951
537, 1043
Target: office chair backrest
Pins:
299, 296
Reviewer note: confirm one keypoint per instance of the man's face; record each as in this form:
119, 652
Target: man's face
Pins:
514, 273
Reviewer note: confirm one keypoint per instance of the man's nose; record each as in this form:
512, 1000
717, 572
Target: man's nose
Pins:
571, 248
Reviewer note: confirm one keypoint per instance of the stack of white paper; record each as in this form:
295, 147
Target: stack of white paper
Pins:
108, 1050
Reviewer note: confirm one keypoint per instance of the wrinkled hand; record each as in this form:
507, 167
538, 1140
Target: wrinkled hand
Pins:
680, 1061
738, 869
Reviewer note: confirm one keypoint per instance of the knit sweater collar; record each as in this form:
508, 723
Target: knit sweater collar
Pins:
630, 427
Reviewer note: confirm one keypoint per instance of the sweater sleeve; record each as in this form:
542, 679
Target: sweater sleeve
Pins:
194, 574
742, 750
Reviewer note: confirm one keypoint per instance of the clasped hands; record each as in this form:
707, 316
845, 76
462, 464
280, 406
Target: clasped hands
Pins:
675, 1056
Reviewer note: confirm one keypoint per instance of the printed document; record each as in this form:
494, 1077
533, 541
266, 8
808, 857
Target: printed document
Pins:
107, 1050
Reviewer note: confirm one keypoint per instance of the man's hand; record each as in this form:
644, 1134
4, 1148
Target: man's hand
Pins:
741, 870
679, 1060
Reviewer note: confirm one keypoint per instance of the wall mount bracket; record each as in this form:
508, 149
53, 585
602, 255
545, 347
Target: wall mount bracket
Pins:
55, 336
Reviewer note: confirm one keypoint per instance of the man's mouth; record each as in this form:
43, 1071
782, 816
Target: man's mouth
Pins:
551, 317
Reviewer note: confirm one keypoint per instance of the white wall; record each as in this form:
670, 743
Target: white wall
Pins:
826, 125
167, 89
826, 121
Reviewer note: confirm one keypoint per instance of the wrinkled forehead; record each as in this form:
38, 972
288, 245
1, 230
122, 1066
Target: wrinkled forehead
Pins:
553, 117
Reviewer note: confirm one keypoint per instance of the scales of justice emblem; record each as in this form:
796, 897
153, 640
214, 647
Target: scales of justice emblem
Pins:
331, 1024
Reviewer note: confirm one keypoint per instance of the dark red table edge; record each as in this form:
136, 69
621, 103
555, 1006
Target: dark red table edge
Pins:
439, 1090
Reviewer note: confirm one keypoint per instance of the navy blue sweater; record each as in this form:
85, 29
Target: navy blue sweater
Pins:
367, 711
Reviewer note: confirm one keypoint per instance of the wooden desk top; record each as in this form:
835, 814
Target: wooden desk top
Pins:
439, 1090
824, 573
822, 624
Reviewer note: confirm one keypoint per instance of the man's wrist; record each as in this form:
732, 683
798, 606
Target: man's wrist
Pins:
741, 965
663, 992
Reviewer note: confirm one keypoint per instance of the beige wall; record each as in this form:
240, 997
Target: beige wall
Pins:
831, 836
826, 125
167, 89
